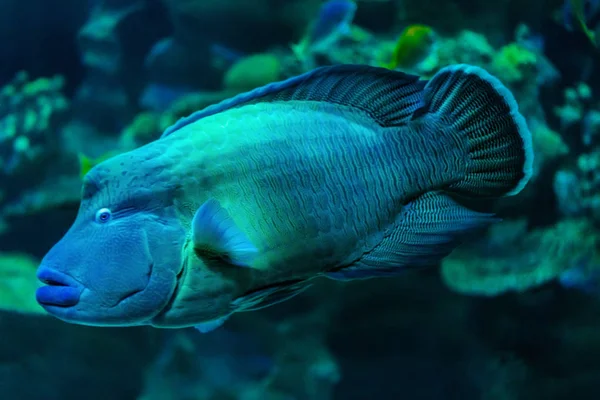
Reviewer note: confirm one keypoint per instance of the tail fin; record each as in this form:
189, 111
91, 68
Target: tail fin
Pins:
481, 111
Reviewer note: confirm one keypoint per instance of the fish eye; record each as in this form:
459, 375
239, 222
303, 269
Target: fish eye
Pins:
103, 215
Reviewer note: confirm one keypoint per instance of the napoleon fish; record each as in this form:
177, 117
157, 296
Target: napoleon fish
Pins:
347, 172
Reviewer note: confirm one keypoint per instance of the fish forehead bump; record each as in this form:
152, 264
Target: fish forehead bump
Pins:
145, 167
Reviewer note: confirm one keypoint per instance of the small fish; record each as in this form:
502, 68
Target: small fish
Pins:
345, 172
414, 44
581, 13
332, 23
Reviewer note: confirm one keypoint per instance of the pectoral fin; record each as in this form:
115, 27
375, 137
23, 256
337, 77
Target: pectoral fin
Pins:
215, 234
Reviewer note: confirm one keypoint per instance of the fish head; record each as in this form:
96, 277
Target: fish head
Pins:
118, 263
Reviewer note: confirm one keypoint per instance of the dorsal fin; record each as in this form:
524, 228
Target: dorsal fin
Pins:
389, 97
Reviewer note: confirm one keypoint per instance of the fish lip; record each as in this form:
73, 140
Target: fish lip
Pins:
55, 282
47, 296
57, 310
52, 277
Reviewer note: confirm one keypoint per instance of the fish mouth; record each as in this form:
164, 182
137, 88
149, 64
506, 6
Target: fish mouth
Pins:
59, 290
67, 299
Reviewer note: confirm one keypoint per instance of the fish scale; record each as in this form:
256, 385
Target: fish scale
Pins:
329, 149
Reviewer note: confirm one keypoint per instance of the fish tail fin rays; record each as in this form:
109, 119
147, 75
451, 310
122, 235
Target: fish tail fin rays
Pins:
426, 231
483, 115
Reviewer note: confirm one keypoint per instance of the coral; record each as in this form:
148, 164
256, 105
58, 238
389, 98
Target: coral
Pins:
576, 185
569, 195
547, 142
53, 194
580, 110
591, 127
18, 283
577, 189
467, 47
30, 115
514, 63
573, 109
548, 145
112, 55
523, 70
512, 259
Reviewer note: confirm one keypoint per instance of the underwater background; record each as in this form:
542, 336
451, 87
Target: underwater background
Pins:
512, 315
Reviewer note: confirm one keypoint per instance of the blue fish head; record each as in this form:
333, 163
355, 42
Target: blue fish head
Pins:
333, 15
118, 263
338, 11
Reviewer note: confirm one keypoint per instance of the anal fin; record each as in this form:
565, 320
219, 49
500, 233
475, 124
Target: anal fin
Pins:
426, 231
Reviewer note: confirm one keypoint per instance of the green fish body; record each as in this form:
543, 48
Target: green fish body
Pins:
346, 172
